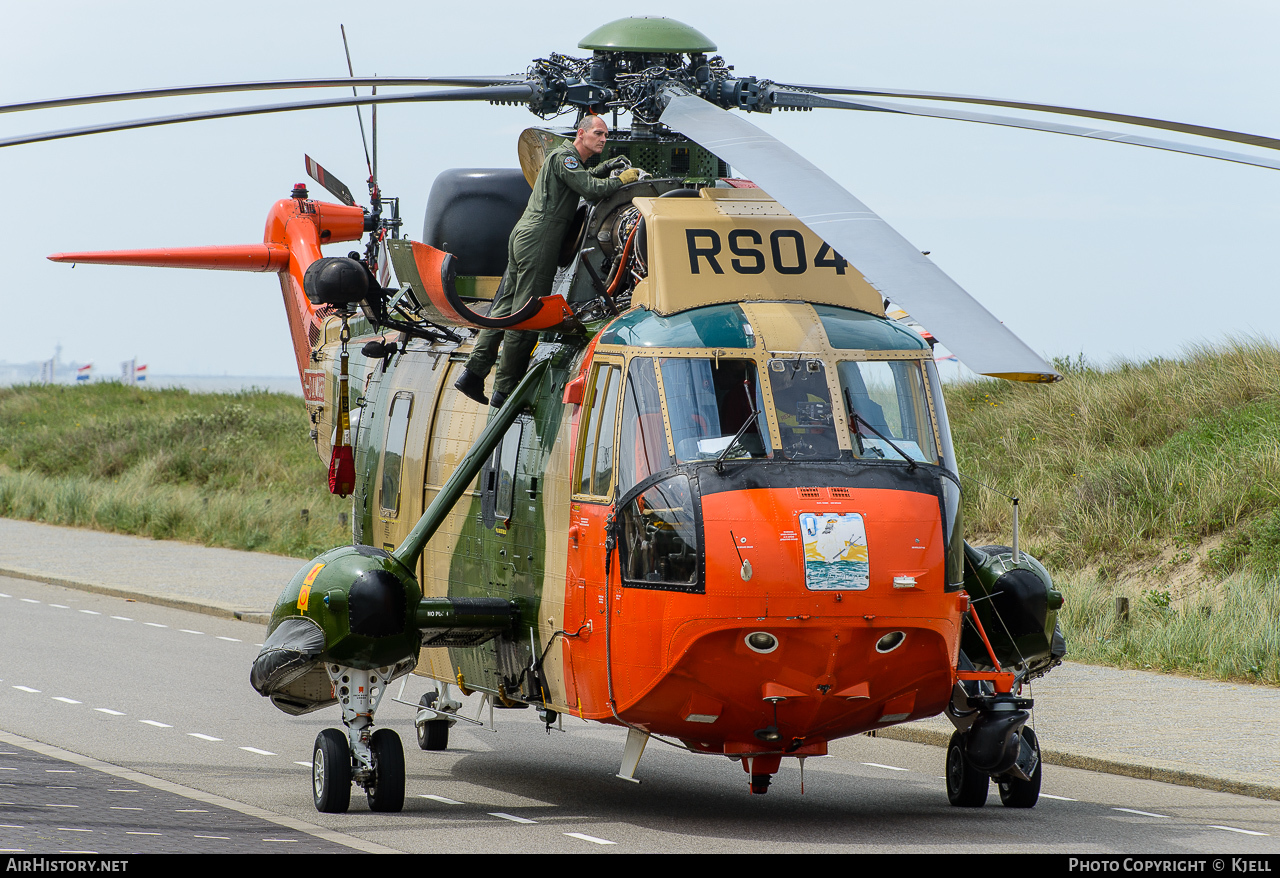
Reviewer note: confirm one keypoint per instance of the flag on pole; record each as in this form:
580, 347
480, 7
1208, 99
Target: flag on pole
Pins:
140, 373
82, 373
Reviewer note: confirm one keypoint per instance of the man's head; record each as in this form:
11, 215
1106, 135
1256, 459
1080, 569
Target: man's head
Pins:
591, 137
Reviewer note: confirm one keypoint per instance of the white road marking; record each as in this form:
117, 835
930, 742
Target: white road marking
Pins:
155, 624
218, 837
442, 800
59, 771
259, 752
1234, 829
232, 639
590, 838
122, 618
91, 612
513, 818
1059, 798
68, 829
123, 808
191, 811
303, 764
60, 606
1142, 813
152, 722
203, 737
128, 832
51, 805
29, 600
5, 596
66, 700
282, 840
27, 689
890, 767
189, 631
122, 791
109, 711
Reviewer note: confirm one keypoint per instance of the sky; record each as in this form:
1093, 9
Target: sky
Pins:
1080, 247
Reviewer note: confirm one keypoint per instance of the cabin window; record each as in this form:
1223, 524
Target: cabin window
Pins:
803, 401
643, 450
660, 537
888, 397
709, 402
393, 452
595, 463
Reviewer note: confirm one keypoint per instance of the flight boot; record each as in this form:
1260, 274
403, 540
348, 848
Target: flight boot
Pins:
471, 385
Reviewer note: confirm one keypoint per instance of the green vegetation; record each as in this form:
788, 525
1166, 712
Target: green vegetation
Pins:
1156, 481
232, 470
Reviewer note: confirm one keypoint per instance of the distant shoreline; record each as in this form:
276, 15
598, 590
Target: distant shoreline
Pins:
207, 383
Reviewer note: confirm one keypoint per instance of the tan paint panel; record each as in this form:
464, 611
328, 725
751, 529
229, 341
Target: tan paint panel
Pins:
720, 247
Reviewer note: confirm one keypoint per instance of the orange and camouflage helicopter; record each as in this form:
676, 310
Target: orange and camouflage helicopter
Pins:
722, 507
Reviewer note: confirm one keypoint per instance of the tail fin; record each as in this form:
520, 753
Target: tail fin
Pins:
296, 227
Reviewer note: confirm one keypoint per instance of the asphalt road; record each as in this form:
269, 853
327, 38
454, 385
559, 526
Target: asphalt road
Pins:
130, 687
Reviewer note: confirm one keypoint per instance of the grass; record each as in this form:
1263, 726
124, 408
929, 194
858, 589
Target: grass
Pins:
231, 470
1158, 480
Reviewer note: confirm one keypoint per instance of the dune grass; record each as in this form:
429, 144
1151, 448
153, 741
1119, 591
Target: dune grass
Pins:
231, 470
1157, 480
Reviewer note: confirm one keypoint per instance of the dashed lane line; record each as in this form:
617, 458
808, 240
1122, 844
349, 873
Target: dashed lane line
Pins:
135, 777
590, 838
1237, 829
513, 818
1143, 813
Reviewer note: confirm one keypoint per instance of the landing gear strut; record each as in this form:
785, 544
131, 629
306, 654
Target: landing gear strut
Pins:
374, 760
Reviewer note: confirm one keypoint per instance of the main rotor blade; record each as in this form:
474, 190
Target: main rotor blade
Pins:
1144, 121
887, 260
802, 99
506, 94
266, 85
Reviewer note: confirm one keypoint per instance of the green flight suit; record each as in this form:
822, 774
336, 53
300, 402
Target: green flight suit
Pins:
533, 253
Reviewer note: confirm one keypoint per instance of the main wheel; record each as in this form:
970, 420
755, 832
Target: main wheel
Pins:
966, 786
760, 784
1016, 792
331, 772
386, 793
434, 733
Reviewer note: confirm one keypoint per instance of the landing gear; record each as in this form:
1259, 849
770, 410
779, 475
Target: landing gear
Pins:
331, 773
760, 784
1015, 792
433, 734
386, 790
966, 785
374, 760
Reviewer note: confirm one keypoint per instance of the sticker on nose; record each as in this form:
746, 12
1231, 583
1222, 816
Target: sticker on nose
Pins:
835, 551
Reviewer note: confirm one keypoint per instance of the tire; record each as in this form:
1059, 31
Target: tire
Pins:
386, 793
966, 786
434, 733
760, 784
1016, 792
331, 772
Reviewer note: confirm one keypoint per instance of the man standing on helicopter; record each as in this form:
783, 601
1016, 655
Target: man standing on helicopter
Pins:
533, 253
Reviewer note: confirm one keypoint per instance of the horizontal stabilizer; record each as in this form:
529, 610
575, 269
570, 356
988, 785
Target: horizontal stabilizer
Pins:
236, 257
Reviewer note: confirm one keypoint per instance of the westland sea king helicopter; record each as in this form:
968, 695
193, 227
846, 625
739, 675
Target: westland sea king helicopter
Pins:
722, 506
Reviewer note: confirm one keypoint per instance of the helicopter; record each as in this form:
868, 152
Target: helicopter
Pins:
715, 377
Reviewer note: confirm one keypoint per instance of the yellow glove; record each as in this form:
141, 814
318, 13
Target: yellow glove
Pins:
630, 175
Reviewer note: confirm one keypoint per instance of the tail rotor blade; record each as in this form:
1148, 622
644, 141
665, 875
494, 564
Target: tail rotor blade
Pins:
335, 186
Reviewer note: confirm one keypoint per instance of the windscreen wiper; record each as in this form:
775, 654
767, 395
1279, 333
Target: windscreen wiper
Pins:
859, 419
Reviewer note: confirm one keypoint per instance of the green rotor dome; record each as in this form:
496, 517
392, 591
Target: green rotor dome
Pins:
647, 33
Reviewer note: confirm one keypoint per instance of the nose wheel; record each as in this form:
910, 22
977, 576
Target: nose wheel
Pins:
966, 785
372, 759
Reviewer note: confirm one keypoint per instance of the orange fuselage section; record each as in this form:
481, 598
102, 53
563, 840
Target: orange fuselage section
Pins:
837, 655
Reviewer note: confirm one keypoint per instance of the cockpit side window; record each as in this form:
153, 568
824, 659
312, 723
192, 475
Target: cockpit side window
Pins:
595, 462
642, 450
806, 422
887, 397
710, 403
